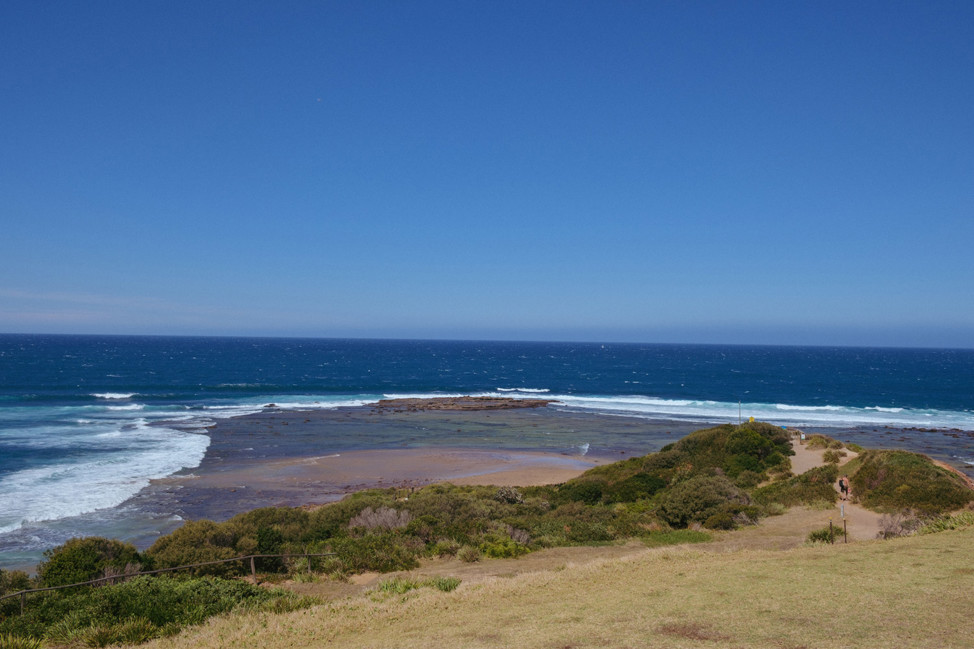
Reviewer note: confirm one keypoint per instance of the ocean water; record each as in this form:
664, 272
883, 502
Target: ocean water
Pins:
87, 421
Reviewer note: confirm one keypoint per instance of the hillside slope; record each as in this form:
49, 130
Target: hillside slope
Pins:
915, 591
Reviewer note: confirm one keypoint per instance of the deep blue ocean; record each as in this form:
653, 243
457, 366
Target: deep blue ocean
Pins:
87, 421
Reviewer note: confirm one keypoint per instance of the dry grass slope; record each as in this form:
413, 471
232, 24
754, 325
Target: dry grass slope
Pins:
915, 592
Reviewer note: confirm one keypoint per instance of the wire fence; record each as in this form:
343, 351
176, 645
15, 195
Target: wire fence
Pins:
116, 578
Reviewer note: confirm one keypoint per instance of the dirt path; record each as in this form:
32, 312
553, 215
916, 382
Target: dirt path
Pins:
861, 523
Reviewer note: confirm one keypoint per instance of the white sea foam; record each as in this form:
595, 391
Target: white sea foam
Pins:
428, 395
285, 402
123, 465
583, 448
525, 390
704, 411
131, 406
114, 396
304, 404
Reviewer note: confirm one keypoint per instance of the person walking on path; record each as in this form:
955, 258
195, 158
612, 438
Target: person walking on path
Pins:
844, 487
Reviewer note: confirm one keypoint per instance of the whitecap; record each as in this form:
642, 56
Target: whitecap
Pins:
114, 396
826, 416
97, 481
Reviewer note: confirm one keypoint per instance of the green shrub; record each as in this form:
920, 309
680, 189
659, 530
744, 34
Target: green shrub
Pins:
398, 585
445, 584
823, 441
814, 486
833, 456
588, 492
11, 641
138, 609
199, 542
84, 559
468, 554
946, 522
697, 499
385, 552
445, 548
722, 520
12, 581
636, 487
502, 548
748, 479
824, 535
891, 481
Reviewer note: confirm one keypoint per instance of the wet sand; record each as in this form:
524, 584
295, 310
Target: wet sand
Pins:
296, 458
320, 479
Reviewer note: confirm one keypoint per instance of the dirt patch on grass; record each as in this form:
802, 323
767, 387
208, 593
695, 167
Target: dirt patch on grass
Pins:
693, 631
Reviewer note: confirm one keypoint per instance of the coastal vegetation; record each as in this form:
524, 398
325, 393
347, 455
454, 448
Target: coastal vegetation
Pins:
718, 478
138, 610
890, 481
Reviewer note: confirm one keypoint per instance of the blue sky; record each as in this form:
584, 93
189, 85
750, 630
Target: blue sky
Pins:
726, 172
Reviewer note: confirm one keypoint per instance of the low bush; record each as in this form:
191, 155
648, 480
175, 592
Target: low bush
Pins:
833, 456
84, 559
946, 522
12, 581
697, 499
824, 535
891, 481
199, 542
503, 548
11, 641
468, 554
898, 524
588, 492
445, 548
813, 486
748, 479
139, 609
401, 585
823, 441
386, 552
720, 521
636, 487
398, 585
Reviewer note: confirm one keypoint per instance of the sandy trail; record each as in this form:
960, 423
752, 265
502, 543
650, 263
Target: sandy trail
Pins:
860, 523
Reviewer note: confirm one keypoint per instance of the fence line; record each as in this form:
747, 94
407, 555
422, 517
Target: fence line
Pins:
253, 572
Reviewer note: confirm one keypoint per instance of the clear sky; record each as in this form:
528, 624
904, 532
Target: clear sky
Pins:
725, 172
